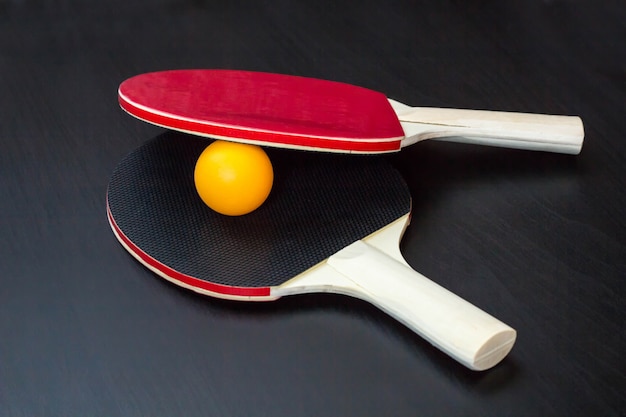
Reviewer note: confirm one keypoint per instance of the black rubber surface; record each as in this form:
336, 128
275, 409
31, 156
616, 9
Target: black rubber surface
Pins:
320, 203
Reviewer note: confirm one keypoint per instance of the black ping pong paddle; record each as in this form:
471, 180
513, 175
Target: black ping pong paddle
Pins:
333, 223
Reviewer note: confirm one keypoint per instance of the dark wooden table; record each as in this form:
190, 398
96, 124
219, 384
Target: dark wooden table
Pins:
536, 239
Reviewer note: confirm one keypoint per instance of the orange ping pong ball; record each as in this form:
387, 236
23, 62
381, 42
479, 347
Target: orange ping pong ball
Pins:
233, 178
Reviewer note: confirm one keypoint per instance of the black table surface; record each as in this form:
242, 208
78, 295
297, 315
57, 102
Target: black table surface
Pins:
536, 239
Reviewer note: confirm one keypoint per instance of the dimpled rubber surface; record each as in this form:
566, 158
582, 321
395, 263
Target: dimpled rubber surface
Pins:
319, 204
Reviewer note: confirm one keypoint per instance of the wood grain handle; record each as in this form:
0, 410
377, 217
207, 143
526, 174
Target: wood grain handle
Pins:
458, 328
551, 133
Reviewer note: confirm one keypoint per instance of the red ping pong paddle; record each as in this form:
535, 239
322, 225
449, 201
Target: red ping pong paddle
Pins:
305, 113
332, 224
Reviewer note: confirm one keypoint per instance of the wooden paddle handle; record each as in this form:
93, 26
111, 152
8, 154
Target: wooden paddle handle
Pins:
540, 132
458, 328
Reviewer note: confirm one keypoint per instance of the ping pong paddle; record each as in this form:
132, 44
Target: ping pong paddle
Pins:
307, 113
331, 224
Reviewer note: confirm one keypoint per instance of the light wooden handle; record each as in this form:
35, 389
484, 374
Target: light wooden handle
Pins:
458, 328
562, 134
